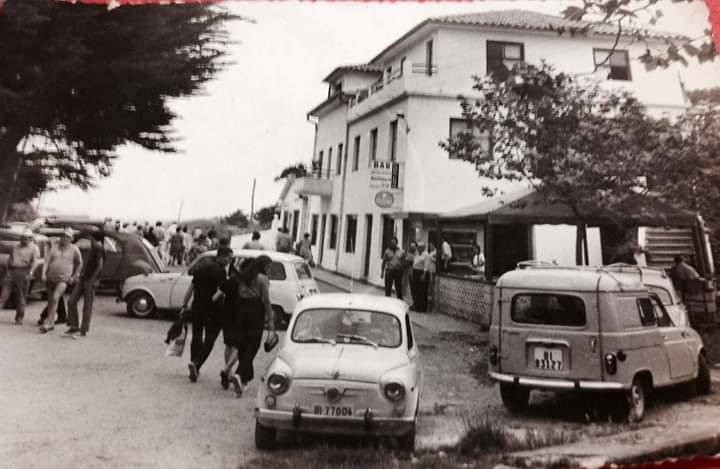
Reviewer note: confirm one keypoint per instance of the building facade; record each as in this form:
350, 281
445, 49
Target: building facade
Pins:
378, 170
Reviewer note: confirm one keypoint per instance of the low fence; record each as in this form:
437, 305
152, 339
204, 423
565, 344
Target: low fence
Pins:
468, 298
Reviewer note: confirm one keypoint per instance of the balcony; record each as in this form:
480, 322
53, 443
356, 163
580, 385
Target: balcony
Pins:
317, 182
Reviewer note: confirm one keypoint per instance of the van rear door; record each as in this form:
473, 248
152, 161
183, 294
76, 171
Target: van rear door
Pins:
549, 334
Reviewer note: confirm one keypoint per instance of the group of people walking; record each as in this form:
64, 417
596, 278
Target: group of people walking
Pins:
234, 301
63, 270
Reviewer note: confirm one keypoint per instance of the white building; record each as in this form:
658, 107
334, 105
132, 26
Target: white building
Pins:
379, 169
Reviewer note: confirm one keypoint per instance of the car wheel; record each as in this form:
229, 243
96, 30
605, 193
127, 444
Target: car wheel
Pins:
140, 305
636, 401
406, 442
515, 398
703, 383
264, 437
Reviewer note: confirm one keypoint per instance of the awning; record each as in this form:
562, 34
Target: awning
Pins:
529, 207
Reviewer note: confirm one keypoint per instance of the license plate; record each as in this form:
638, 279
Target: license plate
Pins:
548, 358
332, 410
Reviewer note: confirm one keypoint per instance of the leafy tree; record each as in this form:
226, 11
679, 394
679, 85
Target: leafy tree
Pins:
265, 215
705, 96
629, 18
237, 218
574, 142
77, 81
298, 170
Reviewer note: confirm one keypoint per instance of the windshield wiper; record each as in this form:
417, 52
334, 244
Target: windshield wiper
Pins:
316, 340
362, 339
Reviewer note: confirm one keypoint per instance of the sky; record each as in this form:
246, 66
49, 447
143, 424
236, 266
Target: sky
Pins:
250, 121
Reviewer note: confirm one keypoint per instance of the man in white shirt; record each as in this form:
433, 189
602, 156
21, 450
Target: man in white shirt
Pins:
478, 261
446, 251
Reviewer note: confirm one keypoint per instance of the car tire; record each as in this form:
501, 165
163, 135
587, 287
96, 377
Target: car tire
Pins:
514, 398
636, 401
406, 442
703, 382
140, 305
264, 437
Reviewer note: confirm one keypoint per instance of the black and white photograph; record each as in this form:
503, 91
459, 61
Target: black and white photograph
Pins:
332, 234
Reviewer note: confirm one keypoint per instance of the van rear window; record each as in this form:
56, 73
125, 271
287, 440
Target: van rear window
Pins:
548, 309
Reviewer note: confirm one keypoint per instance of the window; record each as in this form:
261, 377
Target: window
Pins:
302, 271
402, 65
647, 314
335, 324
615, 62
329, 168
461, 128
548, 309
661, 315
503, 56
350, 233
320, 164
356, 153
388, 73
373, 144
333, 231
276, 271
314, 230
429, 58
339, 158
393, 140
461, 243
408, 326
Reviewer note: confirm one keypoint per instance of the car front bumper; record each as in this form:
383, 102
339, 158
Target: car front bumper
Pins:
368, 424
556, 384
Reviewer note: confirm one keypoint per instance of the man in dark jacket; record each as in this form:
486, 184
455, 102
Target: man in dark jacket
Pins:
205, 313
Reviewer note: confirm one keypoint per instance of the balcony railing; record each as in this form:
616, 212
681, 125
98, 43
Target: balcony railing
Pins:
414, 69
318, 171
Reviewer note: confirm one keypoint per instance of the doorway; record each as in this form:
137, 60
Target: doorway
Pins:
321, 247
388, 231
511, 245
368, 244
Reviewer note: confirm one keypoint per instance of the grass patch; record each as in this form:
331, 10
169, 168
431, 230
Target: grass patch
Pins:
487, 434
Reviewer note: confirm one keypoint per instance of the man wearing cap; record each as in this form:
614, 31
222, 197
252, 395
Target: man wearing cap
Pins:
255, 243
23, 258
63, 266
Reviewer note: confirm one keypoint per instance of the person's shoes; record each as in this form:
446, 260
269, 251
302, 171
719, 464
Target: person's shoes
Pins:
237, 386
192, 367
224, 380
60, 320
71, 332
79, 335
45, 329
18, 321
40, 322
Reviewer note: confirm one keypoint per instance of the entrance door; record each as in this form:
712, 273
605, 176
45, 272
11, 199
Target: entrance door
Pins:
511, 245
321, 247
368, 244
388, 232
296, 222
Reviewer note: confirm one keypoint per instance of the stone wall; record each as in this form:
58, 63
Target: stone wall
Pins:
465, 298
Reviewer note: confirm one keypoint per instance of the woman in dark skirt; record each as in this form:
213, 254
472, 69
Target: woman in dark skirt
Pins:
247, 304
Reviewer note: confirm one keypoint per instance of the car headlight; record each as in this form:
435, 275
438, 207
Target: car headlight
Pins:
299, 295
277, 383
394, 391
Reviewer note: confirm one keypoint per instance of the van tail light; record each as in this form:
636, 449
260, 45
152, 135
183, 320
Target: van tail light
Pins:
493, 355
610, 363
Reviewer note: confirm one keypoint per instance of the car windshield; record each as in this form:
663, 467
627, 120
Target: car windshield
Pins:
347, 326
153, 253
302, 270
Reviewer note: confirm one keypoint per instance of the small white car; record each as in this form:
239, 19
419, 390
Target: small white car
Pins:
349, 364
290, 280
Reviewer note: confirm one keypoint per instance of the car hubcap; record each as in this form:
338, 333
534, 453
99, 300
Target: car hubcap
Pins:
638, 401
142, 305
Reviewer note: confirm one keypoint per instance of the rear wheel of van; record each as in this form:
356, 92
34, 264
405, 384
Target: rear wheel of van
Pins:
515, 398
636, 401
702, 382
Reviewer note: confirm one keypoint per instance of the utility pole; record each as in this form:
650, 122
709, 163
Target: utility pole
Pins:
180, 211
252, 203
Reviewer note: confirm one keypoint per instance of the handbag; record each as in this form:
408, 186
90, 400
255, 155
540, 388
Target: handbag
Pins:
177, 345
271, 341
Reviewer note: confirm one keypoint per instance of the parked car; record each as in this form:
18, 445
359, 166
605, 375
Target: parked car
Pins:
289, 275
9, 238
349, 364
589, 330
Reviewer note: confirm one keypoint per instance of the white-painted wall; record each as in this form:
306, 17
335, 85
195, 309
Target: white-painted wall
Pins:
557, 243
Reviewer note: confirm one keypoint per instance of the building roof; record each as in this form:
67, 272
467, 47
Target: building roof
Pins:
329, 102
362, 68
524, 19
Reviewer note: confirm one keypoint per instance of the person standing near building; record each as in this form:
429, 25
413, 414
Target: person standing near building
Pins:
161, 236
177, 247
304, 248
681, 274
430, 274
408, 270
284, 241
393, 265
446, 255
254, 243
62, 267
85, 287
478, 261
419, 280
247, 308
23, 259
205, 314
